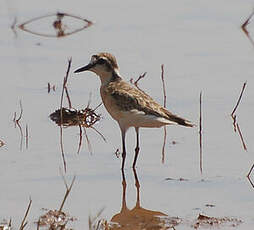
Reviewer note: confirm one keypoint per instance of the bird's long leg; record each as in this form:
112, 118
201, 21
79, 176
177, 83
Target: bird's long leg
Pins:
137, 148
123, 131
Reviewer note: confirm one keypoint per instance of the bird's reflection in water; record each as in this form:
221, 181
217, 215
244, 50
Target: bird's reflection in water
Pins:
137, 217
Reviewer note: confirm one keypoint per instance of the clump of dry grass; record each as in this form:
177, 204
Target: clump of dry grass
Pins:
73, 117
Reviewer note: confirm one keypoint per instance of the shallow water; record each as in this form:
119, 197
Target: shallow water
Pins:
202, 48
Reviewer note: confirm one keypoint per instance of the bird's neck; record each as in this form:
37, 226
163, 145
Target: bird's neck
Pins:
110, 76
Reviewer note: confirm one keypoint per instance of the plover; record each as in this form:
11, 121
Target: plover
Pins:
128, 105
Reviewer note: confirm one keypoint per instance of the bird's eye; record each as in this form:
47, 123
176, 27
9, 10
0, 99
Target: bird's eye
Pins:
101, 61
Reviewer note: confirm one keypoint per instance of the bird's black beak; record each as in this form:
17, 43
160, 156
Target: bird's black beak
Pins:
87, 67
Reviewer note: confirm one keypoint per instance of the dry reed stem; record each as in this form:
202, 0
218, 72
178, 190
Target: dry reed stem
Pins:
80, 139
16, 122
14, 118
38, 223
234, 122
252, 184
27, 136
200, 134
92, 223
48, 87
21, 112
239, 99
241, 137
68, 189
139, 78
13, 26
23, 223
61, 111
136, 82
81, 133
248, 175
21, 136
164, 104
99, 133
244, 27
88, 141
233, 116
68, 97
9, 224
89, 100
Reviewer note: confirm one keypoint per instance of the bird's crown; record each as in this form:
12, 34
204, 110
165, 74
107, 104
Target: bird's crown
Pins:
105, 58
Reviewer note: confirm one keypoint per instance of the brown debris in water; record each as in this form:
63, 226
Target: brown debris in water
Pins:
54, 220
207, 221
73, 117
1, 143
5, 225
61, 29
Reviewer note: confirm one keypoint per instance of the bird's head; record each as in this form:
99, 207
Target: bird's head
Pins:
103, 64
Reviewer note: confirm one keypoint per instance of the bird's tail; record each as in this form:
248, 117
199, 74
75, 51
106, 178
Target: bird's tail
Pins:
181, 121
178, 120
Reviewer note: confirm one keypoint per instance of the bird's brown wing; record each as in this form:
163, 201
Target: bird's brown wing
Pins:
128, 97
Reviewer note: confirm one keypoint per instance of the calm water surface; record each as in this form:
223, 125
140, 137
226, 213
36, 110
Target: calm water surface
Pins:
202, 48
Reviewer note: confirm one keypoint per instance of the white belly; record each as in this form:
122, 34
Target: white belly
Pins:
137, 118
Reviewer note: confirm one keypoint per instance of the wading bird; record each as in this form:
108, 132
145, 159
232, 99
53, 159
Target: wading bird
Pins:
128, 105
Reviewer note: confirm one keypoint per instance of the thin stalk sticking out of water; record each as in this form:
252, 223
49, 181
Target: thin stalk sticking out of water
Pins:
200, 134
136, 82
16, 122
233, 116
49, 87
68, 190
80, 139
248, 176
24, 222
88, 141
244, 27
241, 136
164, 104
239, 99
61, 110
27, 136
